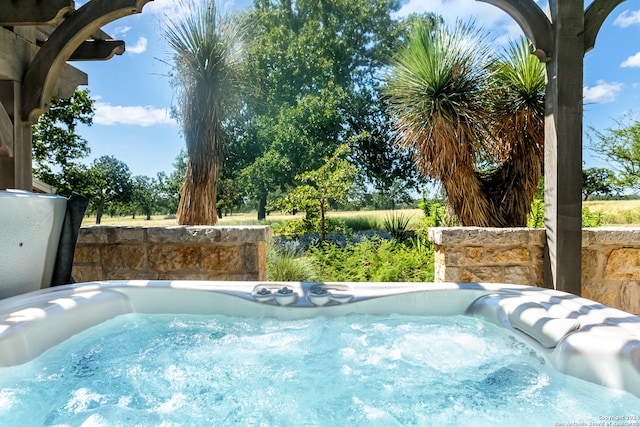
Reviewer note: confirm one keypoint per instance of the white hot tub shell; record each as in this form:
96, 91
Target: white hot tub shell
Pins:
31, 225
577, 336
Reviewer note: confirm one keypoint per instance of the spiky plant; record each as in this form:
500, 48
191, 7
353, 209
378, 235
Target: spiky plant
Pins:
517, 133
206, 49
465, 115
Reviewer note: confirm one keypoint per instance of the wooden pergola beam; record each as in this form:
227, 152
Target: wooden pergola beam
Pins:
97, 50
594, 17
43, 72
534, 23
34, 12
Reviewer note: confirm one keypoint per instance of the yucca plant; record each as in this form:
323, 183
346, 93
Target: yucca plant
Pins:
396, 223
206, 49
474, 121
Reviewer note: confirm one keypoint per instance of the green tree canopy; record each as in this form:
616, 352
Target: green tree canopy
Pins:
313, 68
57, 146
620, 146
597, 181
330, 185
110, 181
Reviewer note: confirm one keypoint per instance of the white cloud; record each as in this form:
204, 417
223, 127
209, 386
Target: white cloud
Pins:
632, 61
139, 47
487, 16
627, 18
107, 114
123, 30
601, 93
175, 8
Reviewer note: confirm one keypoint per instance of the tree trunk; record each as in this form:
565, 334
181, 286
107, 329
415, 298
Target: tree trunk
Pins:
99, 211
198, 199
262, 206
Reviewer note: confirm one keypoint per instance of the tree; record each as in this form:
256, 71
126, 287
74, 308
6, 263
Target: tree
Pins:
621, 147
144, 195
170, 186
207, 51
313, 68
331, 184
475, 122
110, 180
597, 181
57, 146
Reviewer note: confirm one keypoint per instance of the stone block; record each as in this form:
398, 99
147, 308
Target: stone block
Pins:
86, 254
481, 236
182, 234
253, 256
482, 274
519, 275
604, 293
591, 266
164, 258
630, 297
127, 235
117, 257
617, 236
130, 275
623, 264
92, 234
473, 255
87, 273
222, 258
510, 256
454, 256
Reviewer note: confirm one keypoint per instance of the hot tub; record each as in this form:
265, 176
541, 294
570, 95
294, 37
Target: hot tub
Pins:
578, 337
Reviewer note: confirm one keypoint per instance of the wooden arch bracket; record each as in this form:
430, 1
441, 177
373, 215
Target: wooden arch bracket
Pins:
594, 17
533, 21
97, 50
34, 12
43, 72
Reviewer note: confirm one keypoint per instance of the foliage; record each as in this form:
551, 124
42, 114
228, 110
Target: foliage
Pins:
597, 181
436, 213
57, 146
170, 186
329, 185
110, 181
396, 223
313, 67
375, 260
535, 218
474, 121
207, 50
591, 219
284, 264
144, 195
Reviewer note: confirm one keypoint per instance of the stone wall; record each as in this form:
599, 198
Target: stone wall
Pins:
171, 253
610, 260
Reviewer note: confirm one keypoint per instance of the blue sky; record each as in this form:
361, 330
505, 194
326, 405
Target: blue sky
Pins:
134, 96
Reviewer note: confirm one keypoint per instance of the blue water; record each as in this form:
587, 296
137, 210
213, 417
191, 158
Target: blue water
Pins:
168, 370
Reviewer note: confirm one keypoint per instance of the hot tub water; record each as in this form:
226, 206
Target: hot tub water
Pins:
353, 370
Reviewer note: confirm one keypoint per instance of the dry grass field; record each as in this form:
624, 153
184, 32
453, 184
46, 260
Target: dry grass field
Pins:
616, 212
613, 213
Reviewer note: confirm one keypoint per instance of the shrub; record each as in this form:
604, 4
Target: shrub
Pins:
591, 219
396, 224
288, 264
374, 260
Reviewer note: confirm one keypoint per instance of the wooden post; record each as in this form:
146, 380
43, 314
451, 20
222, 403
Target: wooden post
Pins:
563, 147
